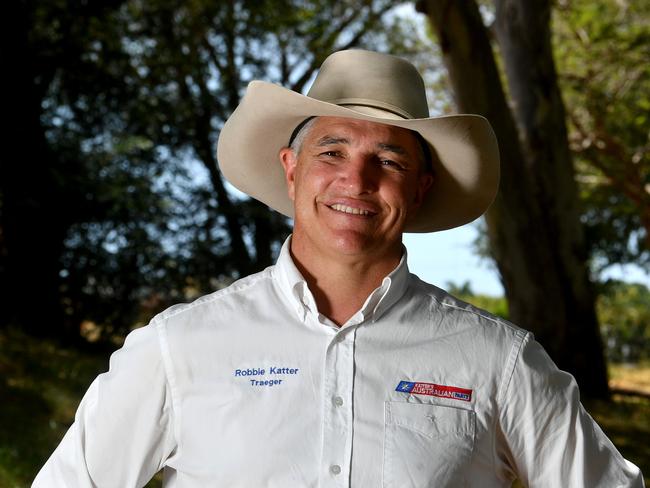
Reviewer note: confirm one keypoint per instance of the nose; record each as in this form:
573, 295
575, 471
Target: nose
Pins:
358, 175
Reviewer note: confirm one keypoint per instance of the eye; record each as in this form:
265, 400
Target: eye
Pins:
391, 164
331, 154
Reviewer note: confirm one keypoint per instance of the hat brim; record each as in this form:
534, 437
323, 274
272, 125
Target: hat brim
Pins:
466, 169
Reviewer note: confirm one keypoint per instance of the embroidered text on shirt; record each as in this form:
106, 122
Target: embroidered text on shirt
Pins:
272, 370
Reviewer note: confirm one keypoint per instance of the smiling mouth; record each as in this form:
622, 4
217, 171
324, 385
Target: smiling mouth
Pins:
349, 210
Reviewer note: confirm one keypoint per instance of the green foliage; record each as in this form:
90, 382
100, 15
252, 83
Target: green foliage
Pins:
133, 95
602, 49
624, 314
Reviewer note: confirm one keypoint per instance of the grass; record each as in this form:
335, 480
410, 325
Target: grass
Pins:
41, 384
631, 376
626, 419
40, 389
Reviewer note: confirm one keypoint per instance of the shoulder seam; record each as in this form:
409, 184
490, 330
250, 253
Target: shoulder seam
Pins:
236, 287
473, 311
168, 366
521, 338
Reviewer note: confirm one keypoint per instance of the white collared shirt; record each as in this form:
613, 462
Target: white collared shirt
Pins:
252, 387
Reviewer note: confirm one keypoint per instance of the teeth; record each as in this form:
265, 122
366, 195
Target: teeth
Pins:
350, 210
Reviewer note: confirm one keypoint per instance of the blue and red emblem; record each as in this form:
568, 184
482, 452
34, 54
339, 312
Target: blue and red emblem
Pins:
431, 389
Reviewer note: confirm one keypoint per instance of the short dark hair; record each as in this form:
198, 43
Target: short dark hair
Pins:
299, 128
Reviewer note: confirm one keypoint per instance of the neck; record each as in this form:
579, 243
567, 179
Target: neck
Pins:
341, 284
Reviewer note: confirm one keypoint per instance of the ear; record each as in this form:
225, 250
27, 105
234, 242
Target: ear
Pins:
289, 160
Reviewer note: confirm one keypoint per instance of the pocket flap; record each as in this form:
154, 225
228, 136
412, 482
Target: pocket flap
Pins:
430, 419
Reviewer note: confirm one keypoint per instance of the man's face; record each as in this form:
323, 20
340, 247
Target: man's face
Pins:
355, 185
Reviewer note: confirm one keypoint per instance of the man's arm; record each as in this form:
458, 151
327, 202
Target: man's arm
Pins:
548, 439
123, 429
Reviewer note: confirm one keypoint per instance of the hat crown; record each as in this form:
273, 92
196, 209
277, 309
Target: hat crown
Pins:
369, 79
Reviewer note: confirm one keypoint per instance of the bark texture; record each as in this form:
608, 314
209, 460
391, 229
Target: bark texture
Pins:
534, 228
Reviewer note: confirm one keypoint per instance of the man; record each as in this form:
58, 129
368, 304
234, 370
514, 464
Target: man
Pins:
336, 367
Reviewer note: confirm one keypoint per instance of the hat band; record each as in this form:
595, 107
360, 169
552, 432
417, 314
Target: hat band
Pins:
372, 104
365, 109
299, 128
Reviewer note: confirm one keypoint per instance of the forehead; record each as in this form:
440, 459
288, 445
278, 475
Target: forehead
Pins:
356, 130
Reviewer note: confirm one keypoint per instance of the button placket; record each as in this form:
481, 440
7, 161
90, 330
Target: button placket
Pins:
337, 412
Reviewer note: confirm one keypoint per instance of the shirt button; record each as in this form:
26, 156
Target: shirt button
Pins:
338, 401
335, 469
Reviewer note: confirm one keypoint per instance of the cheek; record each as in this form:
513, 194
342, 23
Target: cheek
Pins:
400, 193
309, 184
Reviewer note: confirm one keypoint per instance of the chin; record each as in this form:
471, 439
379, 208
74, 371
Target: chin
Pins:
354, 244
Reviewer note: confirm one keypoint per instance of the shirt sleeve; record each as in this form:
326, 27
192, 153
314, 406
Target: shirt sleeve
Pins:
548, 439
123, 429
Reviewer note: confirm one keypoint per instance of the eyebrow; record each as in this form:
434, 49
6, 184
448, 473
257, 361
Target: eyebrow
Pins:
392, 148
425, 153
329, 140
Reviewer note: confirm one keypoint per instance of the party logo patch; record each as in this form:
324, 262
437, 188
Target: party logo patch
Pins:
432, 389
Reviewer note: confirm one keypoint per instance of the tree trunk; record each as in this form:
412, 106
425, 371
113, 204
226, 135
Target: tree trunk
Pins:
533, 226
32, 227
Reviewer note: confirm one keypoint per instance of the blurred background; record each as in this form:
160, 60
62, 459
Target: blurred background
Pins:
112, 206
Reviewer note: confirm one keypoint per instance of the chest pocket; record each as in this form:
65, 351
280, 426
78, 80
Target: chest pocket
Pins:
426, 445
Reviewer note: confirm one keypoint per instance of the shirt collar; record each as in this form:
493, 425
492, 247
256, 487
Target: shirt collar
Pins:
295, 288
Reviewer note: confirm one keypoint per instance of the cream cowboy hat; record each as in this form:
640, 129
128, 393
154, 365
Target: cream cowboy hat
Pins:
374, 87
